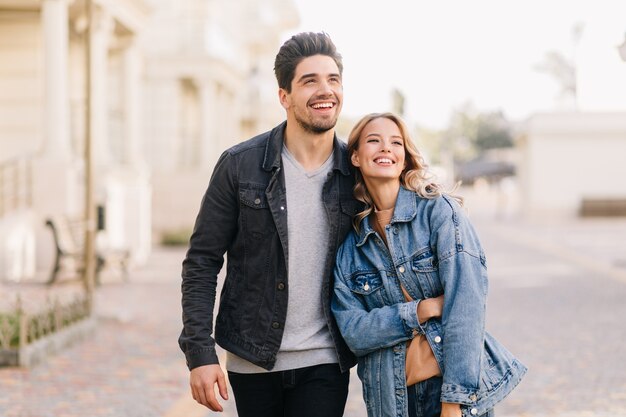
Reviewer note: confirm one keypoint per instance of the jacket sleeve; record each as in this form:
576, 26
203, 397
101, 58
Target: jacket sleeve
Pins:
463, 274
213, 233
367, 331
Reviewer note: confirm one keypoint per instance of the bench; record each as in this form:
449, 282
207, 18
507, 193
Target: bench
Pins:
69, 236
602, 207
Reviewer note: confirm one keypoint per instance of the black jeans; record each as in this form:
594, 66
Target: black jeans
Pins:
425, 399
314, 391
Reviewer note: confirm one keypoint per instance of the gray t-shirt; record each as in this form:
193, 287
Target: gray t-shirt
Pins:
306, 339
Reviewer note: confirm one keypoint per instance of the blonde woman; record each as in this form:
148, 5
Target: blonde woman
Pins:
411, 245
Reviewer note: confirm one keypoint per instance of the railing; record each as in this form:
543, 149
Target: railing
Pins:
16, 184
19, 329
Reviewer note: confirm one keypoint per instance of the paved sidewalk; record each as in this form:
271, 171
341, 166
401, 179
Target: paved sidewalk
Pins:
130, 367
556, 301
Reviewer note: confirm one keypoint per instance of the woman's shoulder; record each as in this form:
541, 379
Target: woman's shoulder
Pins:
443, 203
349, 242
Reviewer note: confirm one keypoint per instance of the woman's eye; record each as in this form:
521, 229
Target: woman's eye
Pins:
398, 143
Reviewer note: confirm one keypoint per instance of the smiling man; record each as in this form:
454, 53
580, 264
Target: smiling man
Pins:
278, 205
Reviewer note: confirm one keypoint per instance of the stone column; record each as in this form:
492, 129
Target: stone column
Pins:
209, 130
54, 19
100, 36
131, 90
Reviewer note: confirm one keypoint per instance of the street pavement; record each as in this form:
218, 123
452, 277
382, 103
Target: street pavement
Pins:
556, 300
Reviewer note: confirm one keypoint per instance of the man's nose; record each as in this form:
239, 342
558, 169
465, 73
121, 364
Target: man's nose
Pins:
325, 87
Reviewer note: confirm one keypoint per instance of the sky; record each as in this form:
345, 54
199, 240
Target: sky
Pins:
445, 53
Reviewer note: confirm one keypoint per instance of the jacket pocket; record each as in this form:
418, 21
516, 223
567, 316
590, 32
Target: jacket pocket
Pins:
424, 265
369, 287
256, 217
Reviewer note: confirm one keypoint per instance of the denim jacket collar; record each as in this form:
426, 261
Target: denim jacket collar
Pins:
404, 211
273, 150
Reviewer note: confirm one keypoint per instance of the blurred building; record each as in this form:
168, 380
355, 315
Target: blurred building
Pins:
43, 96
209, 84
172, 85
574, 160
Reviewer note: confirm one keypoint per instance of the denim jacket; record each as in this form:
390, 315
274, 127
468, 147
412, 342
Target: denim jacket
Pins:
432, 250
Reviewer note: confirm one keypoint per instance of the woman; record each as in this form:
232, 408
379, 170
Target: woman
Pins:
411, 243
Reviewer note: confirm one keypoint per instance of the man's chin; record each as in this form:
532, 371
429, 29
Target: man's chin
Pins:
318, 128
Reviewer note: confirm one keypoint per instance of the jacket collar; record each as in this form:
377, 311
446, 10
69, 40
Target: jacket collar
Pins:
404, 211
274, 147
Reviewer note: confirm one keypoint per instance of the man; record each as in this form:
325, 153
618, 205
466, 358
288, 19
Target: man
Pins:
279, 205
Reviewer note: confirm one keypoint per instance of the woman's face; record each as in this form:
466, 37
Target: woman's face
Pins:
380, 154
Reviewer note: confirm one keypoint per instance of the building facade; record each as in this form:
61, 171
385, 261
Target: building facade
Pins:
159, 86
209, 85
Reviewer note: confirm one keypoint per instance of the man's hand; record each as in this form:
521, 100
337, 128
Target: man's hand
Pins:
429, 308
203, 380
451, 410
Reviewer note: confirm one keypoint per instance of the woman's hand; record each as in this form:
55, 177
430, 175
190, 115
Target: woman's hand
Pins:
429, 308
451, 410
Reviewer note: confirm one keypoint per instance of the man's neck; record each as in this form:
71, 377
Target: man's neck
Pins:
311, 150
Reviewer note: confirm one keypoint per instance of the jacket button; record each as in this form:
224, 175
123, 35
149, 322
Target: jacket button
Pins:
282, 207
275, 325
401, 269
281, 286
474, 411
257, 201
473, 397
438, 339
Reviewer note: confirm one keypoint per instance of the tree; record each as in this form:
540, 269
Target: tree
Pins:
471, 133
562, 68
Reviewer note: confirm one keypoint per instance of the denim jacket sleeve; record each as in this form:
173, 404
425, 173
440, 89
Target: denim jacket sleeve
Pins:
463, 275
213, 232
367, 331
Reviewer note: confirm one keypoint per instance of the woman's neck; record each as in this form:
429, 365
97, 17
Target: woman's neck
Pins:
384, 194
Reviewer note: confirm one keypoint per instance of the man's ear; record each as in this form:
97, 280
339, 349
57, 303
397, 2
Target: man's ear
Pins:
355, 159
283, 97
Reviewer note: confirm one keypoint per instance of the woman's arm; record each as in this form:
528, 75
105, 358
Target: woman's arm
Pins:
366, 331
463, 275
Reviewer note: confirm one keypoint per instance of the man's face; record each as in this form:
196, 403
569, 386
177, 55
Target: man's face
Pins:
316, 94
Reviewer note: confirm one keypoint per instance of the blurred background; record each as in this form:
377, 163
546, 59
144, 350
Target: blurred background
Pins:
113, 113
526, 98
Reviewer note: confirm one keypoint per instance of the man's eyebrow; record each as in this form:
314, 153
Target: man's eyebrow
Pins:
314, 75
311, 75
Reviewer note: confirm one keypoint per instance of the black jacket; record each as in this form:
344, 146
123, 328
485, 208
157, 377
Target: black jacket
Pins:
244, 214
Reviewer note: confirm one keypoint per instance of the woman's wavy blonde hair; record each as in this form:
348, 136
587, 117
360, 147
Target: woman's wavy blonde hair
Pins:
415, 175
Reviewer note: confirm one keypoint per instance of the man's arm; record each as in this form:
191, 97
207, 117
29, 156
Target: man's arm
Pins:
213, 233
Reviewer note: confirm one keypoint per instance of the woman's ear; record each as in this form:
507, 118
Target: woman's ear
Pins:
355, 159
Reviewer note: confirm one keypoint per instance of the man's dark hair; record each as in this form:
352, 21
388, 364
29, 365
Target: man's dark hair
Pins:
300, 46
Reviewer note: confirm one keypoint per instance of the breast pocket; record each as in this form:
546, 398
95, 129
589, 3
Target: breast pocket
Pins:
369, 287
256, 217
425, 267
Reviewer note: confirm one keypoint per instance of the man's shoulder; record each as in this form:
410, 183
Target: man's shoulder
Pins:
258, 142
